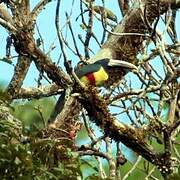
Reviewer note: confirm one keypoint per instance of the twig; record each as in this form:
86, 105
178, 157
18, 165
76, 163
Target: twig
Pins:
124, 34
58, 31
81, 8
39, 110
39, 33
150, 173
73, 37
132, 169
81, 39
95, 141
172, 108
89, 31
174, 127
111, 160
93, 153
134, 92
176, 151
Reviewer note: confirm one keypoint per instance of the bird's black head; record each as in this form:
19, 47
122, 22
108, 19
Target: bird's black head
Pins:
103, 62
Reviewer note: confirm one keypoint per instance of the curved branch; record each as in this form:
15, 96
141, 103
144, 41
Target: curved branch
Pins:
7, 25
124, 6
45, 91
25, 45
38, 8
20, 72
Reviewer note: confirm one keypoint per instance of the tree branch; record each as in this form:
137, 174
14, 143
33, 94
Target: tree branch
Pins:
124, 6
7, 25
38, 8
134, 138
37, 93
4, 14
20, 72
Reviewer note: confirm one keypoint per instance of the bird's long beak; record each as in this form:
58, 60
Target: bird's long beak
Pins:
120, 63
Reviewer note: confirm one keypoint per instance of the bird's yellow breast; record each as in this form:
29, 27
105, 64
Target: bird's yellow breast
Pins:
95, 78
100, 76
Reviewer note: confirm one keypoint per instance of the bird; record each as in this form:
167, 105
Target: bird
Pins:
104, 72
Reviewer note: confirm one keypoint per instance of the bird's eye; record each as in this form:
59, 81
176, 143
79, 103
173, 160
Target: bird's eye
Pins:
81, 64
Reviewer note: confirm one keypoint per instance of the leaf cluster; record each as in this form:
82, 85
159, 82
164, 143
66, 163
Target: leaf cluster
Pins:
33, 158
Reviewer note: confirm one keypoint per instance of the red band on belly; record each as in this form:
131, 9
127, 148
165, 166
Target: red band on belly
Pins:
91, 78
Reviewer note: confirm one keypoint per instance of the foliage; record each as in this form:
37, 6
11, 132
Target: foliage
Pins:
33, 158
24, 155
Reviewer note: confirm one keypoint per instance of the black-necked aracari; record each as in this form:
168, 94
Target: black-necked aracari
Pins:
103, 72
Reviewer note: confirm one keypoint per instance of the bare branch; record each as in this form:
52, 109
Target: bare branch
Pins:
44, 91
58, 31
4, 14
133, 168
172, 108
7, 25
89, 30
38, 8
20, 72
124, 6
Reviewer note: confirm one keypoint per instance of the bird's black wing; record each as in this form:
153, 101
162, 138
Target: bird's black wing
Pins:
86, 69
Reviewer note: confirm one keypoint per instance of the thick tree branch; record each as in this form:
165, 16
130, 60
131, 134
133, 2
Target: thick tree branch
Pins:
26, 7
134, 138
124, 6
20, 72
25, 44
4, 14
70, 109
37, 9
7, 25
37, 93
